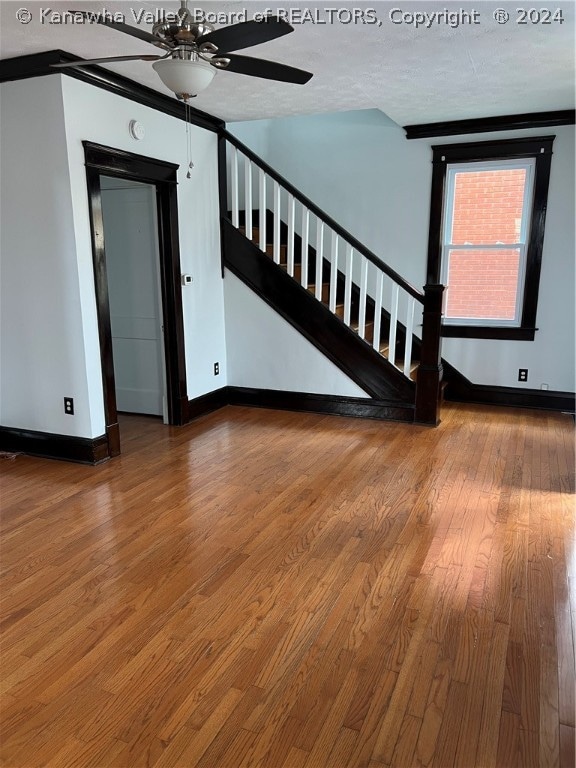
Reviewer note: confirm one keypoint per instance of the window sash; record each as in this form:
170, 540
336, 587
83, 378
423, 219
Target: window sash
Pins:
492, 321
451, 170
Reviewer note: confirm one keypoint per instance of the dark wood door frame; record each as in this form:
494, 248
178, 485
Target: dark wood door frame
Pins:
114, 162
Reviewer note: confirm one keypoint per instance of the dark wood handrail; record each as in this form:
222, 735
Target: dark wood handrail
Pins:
340, 231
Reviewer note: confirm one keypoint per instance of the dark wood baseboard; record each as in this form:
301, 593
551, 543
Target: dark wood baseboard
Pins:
335, 405
207, 403
93, 451
83, 450
515, 397
460, 389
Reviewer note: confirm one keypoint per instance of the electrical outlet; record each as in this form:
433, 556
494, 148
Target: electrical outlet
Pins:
216, 369
522, 374
544, 386
69, 406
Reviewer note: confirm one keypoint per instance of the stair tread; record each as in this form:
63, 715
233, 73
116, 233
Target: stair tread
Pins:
339, 309
269, 246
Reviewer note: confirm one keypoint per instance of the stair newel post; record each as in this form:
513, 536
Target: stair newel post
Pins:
429, 376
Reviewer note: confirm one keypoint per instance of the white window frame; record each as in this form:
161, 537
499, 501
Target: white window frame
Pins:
452, 169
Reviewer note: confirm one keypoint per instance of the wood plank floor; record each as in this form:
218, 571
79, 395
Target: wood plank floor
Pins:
285, 590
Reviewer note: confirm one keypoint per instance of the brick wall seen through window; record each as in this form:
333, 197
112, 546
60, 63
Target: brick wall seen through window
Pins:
487, 210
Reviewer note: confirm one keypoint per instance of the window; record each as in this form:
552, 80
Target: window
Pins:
486, 234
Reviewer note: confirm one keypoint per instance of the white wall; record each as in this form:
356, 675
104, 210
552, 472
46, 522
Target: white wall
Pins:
360, 168
96, 115
49, 338
42, 351
264, 351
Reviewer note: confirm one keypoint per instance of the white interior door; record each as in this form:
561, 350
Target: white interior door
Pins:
132, 264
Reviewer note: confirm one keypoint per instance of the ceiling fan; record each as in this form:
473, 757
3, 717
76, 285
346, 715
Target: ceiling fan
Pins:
195, 50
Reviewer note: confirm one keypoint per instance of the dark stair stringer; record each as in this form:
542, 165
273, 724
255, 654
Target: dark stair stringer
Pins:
355, 297
357, 359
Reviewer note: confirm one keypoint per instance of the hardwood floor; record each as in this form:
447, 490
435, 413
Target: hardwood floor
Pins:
286, 590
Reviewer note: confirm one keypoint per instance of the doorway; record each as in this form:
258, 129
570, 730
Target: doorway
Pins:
133, 272
138, 286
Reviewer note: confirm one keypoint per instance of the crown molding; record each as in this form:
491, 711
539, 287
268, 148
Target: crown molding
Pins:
40, 64
487, 124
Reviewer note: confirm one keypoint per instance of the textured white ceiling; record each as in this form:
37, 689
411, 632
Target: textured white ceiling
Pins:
413, 75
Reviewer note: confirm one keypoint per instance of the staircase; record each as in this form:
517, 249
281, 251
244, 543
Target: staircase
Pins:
354, 317
352, 306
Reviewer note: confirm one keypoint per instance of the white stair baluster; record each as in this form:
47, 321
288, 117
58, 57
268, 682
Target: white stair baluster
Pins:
304, 241
291, 205
319, 257
262, 208
393, 323
362, 307
276, 223
409, 327
234, 185
378, 309
333, 271
348, 284
248, 196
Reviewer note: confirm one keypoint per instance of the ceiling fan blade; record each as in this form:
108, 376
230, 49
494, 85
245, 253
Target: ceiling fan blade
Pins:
246, 34
108, 59
270, 70
141, 34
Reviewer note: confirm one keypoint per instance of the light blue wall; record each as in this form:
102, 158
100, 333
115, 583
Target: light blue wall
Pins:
355, 166
360, 168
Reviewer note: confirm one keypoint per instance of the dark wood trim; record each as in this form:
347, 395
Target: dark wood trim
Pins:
39, 64
365, 408
517, 398
51, 446
207, 403
336, 405
488, 332
113, 436
495, 149
488, 124
110, 161
31, 65
173, 314
460, 389
330, 222
128, 165
103, 308
536, 238
323, 329
537, 147
429, 374
436, 219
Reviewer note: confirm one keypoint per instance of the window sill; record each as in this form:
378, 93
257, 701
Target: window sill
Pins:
488, 332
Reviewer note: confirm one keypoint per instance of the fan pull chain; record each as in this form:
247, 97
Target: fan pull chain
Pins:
188, 114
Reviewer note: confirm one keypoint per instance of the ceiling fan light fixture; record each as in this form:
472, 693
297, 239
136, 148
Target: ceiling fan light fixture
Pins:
183, 77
